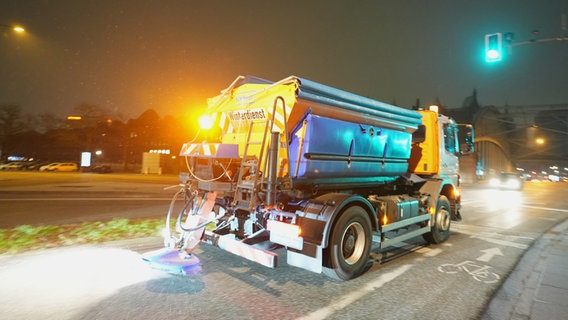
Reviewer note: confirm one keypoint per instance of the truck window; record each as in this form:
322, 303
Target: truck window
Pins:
450, 138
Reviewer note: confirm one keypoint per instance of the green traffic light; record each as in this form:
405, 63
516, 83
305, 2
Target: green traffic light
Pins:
493, 55
493, 47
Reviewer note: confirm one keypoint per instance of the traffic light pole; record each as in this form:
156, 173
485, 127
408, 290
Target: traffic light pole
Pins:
520, 43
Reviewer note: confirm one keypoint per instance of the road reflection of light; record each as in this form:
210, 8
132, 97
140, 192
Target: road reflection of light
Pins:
506, 206
500, 199
59, 283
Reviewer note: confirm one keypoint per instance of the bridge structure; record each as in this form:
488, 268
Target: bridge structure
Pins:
533, 138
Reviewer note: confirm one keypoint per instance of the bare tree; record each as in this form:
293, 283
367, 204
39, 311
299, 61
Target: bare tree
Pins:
12, 123
48, 122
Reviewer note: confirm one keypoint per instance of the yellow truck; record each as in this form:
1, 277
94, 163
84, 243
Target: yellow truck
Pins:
316, 172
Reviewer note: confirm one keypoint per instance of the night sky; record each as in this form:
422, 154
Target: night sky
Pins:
131, 55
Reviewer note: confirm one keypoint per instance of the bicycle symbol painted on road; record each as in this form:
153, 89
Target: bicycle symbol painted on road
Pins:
478, 272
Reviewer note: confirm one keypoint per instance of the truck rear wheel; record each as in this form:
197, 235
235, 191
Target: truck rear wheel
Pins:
440, 228
350, 245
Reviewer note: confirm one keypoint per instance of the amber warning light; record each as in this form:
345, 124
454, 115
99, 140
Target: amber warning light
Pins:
285, 234
205, 122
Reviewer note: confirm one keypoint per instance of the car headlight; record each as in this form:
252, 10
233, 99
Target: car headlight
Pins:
515, 184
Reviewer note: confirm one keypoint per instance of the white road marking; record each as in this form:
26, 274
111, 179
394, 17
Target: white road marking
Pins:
502, 242
489, 237
488, 254
545, 208
347, 299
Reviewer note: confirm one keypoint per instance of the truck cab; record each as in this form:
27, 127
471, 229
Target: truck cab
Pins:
437, 152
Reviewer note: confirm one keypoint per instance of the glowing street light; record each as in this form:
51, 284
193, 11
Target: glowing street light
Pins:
539, 141
15, 28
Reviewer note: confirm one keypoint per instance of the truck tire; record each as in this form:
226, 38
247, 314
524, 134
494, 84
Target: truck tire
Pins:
440, 229
349, 247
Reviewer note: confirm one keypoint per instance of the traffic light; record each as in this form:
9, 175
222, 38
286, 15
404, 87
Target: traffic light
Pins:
494, 47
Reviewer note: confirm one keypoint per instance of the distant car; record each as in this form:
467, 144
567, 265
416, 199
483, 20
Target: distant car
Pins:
47, 167
35, 166
11, 166
103, 168
508, 180
61, 167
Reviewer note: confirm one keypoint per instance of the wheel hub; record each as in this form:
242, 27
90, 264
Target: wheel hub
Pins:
444, 220
353, 243
348, 244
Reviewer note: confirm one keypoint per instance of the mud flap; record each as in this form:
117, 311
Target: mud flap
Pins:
313, 264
